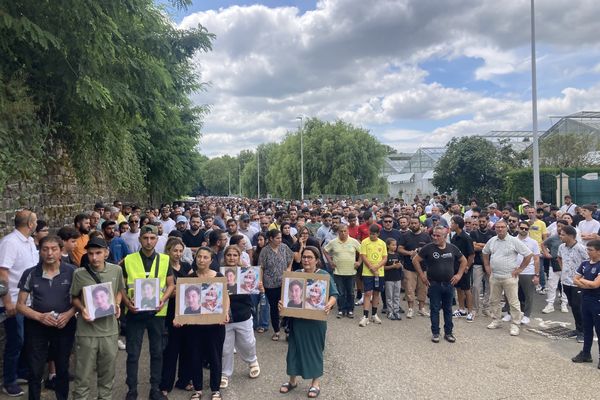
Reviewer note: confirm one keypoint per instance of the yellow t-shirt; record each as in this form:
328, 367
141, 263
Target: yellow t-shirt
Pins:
536, 230
375, 252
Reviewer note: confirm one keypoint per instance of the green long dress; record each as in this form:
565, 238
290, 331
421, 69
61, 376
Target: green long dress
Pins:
307, 343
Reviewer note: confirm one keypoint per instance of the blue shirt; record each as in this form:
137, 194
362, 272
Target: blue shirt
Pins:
589, 272
118, 250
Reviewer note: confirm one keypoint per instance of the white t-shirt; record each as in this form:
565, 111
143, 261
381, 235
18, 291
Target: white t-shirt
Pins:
17, 253
535, 249
132, 240
569, 208
587, 227
167, 226
160, 244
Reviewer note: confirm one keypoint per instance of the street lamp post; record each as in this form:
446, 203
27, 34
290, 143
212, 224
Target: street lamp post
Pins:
536, 145
301, 118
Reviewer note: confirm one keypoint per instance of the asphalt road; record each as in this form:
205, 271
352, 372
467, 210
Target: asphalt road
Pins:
397, 360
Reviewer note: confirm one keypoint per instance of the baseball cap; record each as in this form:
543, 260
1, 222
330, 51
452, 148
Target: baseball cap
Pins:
181, 218
148, 228
99, 205
96, 241
245, 217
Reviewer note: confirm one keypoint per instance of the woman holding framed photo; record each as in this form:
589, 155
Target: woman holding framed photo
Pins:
175, 349
207, 343
307, 337
239, 332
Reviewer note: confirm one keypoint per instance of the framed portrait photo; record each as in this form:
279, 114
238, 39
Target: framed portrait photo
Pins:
201, 301
304, 295
99, 300
147, 294
242, 280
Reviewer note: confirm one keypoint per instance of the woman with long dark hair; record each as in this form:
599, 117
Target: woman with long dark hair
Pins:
274, 260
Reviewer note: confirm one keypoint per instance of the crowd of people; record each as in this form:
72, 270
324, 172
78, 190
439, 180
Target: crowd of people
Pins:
385, 257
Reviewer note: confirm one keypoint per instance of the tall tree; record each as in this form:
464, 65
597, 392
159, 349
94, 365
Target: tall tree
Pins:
113, 79
472, 168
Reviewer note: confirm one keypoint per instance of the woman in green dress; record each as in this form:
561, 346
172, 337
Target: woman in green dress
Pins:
307, 337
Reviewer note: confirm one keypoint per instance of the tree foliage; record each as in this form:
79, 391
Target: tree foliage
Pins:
338, 159
110, 82
473, 167
568, 150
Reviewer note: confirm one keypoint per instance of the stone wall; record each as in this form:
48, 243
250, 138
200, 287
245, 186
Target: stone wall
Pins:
55, 196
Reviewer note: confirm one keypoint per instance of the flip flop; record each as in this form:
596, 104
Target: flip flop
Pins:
314, 390
288, 387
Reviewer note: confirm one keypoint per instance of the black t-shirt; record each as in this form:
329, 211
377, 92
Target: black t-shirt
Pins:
393, 233
393, 275
311, 241
184, 272
465, 244
440, 262
411, 241
191, 240
479, 236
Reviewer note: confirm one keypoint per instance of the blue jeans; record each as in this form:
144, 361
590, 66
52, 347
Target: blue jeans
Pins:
440, 297
260, 314
14, 364
345, 287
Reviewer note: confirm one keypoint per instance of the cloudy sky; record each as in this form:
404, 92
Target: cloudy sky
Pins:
413, 72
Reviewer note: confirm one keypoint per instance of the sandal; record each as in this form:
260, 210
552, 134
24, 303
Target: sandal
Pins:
189, 387
224, 382
197, 395
254, 370
314, 391
216, 396
261, 330
288, 387
275, 337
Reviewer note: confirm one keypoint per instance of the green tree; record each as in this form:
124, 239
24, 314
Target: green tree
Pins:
568, 150
472, 168
112, 79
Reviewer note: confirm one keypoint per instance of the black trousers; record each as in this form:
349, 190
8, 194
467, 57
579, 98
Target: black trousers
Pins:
39, 338
178, 348
574, 296
274, 295
136, 325
206, 345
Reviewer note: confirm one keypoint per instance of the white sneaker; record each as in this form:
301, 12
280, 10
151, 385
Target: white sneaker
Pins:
121, 345
564, 308
507, 318
514, 330
424, 313
375, 318
364, 321
494, 324
525, 320
410, 313
360, 301
548, 309
470, 317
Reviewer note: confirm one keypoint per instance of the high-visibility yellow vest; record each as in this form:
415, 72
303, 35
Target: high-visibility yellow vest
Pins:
134, 267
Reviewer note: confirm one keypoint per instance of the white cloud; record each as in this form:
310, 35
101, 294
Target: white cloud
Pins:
360, 61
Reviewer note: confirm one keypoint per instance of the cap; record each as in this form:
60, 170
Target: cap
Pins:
493, 205
244, 217
435, 217
99, 205
96, 241
181, 218
148, 228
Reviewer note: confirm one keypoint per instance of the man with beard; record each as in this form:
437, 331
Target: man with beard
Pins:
118, 248
245, 228
194, 236
82, 224
409, 245
165, 220
480, 237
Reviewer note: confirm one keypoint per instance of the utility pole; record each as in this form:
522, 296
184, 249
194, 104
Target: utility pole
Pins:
258, 173
537, 195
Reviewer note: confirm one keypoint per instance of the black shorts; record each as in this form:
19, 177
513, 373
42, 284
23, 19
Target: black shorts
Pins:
466, 281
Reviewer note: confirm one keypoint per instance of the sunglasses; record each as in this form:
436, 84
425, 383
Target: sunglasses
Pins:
523, 228
513, 220
387, 222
